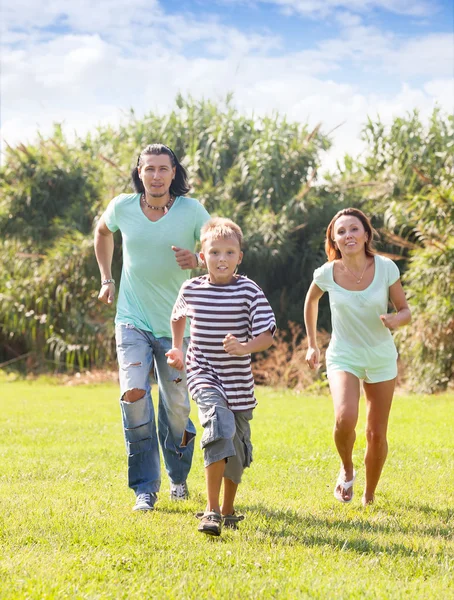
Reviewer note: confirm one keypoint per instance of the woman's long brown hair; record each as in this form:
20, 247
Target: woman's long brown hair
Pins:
332, 251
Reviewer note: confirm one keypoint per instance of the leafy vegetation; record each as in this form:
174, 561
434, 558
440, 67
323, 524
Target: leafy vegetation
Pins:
406, 181
262, 172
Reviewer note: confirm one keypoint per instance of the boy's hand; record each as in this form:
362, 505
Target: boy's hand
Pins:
175, 358
185, 258
232, 346
313, 357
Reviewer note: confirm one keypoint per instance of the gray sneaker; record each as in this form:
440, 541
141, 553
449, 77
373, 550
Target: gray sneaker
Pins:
145, 501
179, 491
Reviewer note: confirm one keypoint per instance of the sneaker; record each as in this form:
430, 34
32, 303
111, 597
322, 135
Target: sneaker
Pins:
210, 523
179, 491
145, 501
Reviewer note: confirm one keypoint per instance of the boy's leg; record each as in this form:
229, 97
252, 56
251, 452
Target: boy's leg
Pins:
176, 430
135, 359
218, 424
243, 457
230, 489
213, 478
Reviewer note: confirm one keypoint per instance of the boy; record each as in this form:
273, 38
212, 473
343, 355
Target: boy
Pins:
230, 319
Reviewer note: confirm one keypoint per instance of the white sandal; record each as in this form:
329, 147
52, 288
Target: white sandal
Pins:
346, 485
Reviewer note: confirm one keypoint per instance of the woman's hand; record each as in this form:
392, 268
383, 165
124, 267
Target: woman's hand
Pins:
313, 357
391, 321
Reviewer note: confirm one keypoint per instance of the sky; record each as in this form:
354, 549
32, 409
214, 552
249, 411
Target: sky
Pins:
87, 63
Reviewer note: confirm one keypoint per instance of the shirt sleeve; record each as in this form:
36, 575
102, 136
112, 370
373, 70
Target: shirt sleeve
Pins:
180, 308
320, 277
110, 217
393, 272
262, 315
202, 216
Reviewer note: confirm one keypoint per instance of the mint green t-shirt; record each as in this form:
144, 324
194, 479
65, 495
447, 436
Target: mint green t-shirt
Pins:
151, 278
357, 331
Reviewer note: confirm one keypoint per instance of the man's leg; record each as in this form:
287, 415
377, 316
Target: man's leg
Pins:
135, 358
175, 429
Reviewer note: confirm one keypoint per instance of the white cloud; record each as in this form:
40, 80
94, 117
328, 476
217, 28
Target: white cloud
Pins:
431, 55
83, 78
323, 8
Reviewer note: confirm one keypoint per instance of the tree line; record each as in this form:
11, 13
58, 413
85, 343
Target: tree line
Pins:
261, 172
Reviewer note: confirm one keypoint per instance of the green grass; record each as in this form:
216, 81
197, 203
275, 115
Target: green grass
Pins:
67, 529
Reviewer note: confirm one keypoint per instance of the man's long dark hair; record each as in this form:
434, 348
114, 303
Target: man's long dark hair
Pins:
178, 187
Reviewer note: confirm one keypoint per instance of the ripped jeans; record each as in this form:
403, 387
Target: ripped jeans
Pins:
138, 351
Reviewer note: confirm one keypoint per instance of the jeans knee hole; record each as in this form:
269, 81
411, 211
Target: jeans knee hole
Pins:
134, 395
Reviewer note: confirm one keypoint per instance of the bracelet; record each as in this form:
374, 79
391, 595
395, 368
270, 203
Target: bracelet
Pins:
106, 281
200, 263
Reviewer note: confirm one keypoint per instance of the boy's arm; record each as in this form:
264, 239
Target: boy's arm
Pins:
175, 356
236, 348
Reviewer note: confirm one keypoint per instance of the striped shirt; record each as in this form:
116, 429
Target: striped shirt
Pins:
239, 308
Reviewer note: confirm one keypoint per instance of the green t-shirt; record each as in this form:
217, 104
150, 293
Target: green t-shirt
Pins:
151, 278
358, 332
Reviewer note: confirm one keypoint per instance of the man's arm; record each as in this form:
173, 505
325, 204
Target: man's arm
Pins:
104, 247
185, 258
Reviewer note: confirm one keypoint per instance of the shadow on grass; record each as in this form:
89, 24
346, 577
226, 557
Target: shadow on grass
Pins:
445, 514
292, 528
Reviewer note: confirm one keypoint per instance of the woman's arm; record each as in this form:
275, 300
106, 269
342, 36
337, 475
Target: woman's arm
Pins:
310, 321
403, 314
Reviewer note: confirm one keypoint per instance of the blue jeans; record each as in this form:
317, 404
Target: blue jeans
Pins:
138, 351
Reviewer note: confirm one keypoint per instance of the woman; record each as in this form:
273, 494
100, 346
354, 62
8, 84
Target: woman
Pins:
360, 284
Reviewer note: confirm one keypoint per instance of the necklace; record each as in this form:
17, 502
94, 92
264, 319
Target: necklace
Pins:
354, 274
165, 208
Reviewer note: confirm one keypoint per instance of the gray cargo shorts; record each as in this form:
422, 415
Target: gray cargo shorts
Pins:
226, 435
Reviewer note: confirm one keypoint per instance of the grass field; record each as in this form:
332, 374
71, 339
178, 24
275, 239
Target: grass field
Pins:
67, 529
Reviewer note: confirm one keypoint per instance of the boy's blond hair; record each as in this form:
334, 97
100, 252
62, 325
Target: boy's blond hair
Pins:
219, 228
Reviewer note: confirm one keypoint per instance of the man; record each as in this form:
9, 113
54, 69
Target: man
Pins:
159, 227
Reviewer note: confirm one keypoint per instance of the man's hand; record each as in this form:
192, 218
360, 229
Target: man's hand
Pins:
107, 293
175, 358
232, 346
313, 358
185, 258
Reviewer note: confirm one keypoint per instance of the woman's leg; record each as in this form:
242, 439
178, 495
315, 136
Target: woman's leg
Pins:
345, 391
379, 398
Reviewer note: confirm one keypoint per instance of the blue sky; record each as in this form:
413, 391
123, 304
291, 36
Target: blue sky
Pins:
332, 61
